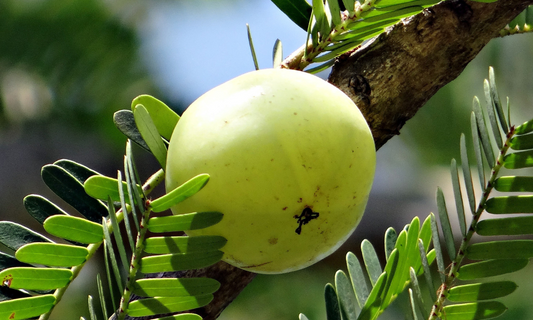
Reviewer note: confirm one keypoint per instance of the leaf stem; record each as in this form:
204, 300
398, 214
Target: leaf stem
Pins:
436, 310
148, 187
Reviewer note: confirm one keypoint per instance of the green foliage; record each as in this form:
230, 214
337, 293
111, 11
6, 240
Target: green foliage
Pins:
105, 203
454, 298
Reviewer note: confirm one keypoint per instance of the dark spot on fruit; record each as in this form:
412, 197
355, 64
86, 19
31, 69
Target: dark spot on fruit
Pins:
284, 208
273, 241
304, 218
295, 114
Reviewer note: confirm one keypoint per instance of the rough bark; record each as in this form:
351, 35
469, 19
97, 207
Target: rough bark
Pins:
391, 78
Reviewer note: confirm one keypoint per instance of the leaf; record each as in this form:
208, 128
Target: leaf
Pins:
514, 184
71, 190
490, 268
124, 208
183, 222
251, 45
90, 303
465, 165
524, 128
506, 249
358, 279
505, 226
183, 244
14, 235
77, 170
418, 294
164, 118
483, 132
322, 25
174, 287
458, 197
476, 141
180, 261
438, 250
445, 224
522, 142
426, 270
109, 254
41, 208
74, 228
476, 310
481, 291
373, 267
161, 305
373, 303
492, 116
390, 241
277, 54
101, 295
31, 278
376, 15
150, 134
510, 204
518, 160
332, 303
335, 12
184, 191
102, 187
52, 254
25, 308
299, 11
346, 296
125, 122
412, 303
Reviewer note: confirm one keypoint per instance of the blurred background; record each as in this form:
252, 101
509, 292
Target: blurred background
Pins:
67, 66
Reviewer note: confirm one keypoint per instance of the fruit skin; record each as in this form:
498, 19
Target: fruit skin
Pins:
275, 142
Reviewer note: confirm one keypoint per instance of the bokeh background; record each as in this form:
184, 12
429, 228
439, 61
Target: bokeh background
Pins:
67, 66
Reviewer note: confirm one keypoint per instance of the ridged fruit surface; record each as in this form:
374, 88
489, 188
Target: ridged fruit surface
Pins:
291, 161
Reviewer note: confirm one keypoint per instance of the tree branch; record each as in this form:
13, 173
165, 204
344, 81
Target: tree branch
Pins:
390, 79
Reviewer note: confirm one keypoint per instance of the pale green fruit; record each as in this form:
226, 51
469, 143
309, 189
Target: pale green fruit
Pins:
276, 143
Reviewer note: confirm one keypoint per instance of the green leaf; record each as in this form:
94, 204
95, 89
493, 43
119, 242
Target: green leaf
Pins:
102, 296
183, 316
373, 267
335, 12
41, 208
277, 54
125, 122
25, 308
490, 268
102, 187
390, 241
445, 224
299, 11
118, 237
505, 226
77, 170
180, 261
426, 270
150, 134
174, 287
396, 4
74, 228
332, 303
346, 296
31, 278
425, 233
376, 15
164, 118
373, 303
412, 303
322, 25
161, 305
518, 160
522, 142
496, 100
90, 303
507, 249
52, 254
358, 279
14, 235
438, 250
251, 45
514, 184
418, 294
71, 190
476, 310
510, 204
183, 222
481, 291
395, 278
525, 127
110, 257
184, 191
458, 197
465, 165
476, 141
361, 27
492, 116
483, 132
183, 244
124, 208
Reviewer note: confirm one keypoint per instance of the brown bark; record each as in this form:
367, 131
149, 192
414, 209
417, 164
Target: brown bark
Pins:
391, 78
